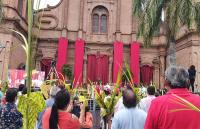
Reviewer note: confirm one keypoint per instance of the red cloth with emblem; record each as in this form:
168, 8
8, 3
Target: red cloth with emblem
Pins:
161, 117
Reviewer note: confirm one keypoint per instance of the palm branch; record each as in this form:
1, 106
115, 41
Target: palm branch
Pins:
178, 13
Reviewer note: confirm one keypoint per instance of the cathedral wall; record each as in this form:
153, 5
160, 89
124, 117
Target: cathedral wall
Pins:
74, 15
126, 17
17, 53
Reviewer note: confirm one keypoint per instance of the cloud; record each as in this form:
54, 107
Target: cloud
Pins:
43, 3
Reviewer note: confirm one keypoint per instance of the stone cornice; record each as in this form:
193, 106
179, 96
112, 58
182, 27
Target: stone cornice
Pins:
16, 23
187, 41
16, 11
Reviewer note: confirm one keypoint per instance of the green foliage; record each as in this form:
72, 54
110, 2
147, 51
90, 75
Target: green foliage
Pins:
1, 10
67, 71
178, 13
127, 75
4, 86
33, 104
107, 103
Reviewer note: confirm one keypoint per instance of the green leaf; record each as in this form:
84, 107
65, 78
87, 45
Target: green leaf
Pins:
30, 107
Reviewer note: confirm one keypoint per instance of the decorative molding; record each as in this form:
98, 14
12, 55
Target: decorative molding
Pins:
47, 24
14, 9
107, 1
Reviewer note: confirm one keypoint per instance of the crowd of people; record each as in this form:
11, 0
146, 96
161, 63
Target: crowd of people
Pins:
169, 111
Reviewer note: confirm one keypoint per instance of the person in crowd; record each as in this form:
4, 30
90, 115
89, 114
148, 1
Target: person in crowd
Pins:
88, 121
120, 104
10, 117
49, 103
146, 102
76, 107
165, 112
59, 116
20, 89
1, 97
192, 75
130, 117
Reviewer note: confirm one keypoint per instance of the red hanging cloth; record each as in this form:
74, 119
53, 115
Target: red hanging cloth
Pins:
117, 59
62, 53
134, 65
78, 64
46, 65
102, 68
147, 74
91, 68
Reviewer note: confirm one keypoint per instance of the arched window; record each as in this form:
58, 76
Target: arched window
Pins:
103, 22
100, 20
95, 23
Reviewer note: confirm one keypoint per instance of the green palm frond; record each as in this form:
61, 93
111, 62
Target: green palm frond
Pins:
107, 103
33, 104
178, 13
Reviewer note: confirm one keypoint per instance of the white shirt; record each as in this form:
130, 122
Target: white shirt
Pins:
119, 105
146, 102
129, 118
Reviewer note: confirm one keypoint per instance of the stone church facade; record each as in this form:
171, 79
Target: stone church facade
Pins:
99, 23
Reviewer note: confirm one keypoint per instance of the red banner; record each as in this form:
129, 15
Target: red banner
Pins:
117, 59
135, 66
62, 53
79, 60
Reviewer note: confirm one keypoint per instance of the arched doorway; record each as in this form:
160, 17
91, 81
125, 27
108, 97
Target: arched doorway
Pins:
98, 68
45, 64
146, 72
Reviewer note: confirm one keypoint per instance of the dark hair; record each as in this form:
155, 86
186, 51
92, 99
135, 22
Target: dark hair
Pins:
157, 94
192, 67
24, 90
11, 94
21, 87
151, 90
62, 87
62, 100
129, 98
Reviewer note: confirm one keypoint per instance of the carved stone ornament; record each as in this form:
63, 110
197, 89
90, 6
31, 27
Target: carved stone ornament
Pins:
47, 21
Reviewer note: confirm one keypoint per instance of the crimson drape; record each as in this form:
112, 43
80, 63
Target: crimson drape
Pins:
135, 68
102, 62
98, 68
147, 74
62, 53
91, 68
118, 59
79, 59
46, 65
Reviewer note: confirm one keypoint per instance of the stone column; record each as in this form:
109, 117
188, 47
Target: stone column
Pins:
118, 33
156, 73
110, 69
5, 53
162, 69
38, 58
80, 32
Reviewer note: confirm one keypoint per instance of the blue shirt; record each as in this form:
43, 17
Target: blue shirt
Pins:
49, 103
129, 118
1, 95
10, 117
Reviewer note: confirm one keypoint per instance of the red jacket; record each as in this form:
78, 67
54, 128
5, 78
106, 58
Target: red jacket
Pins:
160, 115
65, 120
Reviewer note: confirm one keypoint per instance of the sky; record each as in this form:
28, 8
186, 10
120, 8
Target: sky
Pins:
44, 3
